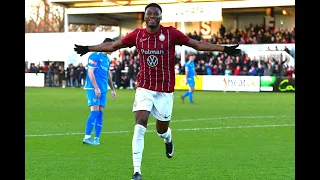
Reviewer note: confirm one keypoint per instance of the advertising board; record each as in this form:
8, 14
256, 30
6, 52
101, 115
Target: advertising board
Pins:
285, 85
267, 83
181, 83
231, 83
34, 80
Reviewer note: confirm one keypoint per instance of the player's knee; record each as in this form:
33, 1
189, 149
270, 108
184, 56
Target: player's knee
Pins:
160, 135
99, 118
94, 114
161, 130
95, 108
142, 118
142, 122
101, 108
164, 133
162, 126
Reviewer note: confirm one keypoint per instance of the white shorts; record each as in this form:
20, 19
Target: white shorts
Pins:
159, 104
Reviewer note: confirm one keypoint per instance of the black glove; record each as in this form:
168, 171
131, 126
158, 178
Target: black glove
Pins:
82, 50
231, 50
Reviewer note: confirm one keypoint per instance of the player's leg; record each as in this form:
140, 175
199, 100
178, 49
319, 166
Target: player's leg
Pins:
99, 119
191, 84
164, 132
162, 112
191, 91
93, 103
141, 107
184, 95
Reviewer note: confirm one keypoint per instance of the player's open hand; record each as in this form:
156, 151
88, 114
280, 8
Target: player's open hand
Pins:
231, 50
82, 50
97, 92
114, 94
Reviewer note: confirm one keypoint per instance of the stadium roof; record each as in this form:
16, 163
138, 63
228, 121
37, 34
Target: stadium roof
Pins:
106, 3
110, 3
117, 12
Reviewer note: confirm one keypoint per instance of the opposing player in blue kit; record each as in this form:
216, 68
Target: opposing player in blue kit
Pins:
190, 74
97, 81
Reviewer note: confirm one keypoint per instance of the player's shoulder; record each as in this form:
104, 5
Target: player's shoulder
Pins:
94, 55
170, 28
107, 57
133, 33
136, 30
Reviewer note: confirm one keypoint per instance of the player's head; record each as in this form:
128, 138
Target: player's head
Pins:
107, 40
192, 57
153, 15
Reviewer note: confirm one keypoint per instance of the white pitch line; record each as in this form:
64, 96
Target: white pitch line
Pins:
225, 118
187, 129
65, 134
235, 127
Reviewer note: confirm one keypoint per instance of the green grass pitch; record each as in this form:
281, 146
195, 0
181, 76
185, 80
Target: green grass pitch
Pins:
224, 136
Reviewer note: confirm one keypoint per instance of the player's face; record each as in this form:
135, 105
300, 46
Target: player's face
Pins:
152, 17
192, 57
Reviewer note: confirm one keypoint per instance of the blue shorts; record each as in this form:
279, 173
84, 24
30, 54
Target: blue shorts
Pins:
191, 82
93, 101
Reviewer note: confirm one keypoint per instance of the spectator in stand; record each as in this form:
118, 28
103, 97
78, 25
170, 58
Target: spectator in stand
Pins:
118, 74
220, 70
56, 75
26, 66
253, 71
260, 70
228, 71
237, 70
33, 68
82, 75
244, 71
289, 72
222, 31
62, 77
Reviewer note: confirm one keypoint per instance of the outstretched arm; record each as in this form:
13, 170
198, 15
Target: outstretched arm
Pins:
103, 47
206, 46
107, 46
128, 41
181, 39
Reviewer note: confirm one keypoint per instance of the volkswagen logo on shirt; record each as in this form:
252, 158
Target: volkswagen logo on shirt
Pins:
152, 60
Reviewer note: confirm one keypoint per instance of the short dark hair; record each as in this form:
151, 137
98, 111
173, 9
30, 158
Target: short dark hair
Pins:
153, 5
108, 40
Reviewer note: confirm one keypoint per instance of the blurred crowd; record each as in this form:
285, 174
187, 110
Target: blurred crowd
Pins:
126, 67
253, 34
56, 75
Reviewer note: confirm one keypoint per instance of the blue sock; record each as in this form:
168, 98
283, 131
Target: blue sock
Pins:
98, 125
90, 121
186, 94
190, 96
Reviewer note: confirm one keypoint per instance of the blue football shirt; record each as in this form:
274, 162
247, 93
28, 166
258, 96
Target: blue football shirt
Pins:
101, 63
190, 67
